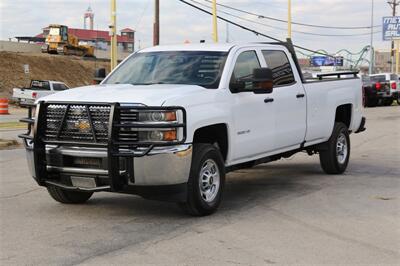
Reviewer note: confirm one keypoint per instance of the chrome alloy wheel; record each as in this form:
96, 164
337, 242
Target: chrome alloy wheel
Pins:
209, 180
341, 148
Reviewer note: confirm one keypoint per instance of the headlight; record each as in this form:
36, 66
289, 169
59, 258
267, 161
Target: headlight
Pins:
158, 135
158, 116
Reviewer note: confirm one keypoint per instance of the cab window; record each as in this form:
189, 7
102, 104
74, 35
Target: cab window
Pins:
244, 66
282, 71
59, 87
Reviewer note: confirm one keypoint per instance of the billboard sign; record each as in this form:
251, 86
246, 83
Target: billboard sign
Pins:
322, 60
391, 28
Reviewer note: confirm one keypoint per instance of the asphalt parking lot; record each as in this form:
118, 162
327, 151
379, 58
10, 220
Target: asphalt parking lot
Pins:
286, 212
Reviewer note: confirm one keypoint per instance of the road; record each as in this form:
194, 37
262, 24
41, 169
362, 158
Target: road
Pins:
286, 212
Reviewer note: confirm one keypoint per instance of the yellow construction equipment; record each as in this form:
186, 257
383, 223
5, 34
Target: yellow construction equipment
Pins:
59, 41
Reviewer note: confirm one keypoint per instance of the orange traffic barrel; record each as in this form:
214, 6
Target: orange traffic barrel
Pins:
4, 106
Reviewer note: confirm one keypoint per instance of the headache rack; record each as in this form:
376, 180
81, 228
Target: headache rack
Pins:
113, 127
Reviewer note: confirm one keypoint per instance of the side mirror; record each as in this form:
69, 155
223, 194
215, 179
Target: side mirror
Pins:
99, 75
263, 81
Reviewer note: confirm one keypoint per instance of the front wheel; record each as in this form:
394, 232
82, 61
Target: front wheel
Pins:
334, 157
206, 181
68, 196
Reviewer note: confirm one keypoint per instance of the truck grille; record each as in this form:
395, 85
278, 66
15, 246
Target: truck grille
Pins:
77, 123
127, 135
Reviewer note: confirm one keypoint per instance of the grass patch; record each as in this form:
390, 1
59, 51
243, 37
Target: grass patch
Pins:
7, 125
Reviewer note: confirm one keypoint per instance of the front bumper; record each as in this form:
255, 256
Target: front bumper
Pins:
111, 166
161, 166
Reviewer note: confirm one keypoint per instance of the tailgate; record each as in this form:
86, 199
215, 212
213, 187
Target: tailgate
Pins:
22, 93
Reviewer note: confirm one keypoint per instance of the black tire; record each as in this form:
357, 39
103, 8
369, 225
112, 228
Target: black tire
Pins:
371, 102
196, 204
68, 196
398, 101
388, 102
328, 157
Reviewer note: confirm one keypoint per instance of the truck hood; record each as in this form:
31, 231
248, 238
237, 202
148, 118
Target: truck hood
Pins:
150, 95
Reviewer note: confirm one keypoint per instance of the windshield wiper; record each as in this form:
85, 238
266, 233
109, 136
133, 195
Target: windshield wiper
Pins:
140, 83
150, 83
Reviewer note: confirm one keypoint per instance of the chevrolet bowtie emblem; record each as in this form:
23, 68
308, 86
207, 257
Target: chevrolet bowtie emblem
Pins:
83, 126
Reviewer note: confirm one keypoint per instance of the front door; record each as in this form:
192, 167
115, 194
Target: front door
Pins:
252, 113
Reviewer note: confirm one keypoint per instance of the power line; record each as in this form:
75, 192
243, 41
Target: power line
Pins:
257, 32
284, 29
297, 23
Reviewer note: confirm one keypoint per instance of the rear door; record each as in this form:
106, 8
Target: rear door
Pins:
289, 100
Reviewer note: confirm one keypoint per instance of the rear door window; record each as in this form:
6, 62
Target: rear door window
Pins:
59, 87
282, 71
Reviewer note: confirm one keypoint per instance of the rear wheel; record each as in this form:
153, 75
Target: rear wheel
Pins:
388, 102
68, 196
371, 102
206, 181
334, 157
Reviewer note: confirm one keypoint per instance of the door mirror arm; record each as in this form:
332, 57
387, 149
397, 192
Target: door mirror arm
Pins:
237, 86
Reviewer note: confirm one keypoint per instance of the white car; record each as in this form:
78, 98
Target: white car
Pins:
37, 90
170, 122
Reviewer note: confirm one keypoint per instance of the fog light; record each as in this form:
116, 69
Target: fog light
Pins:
87, 162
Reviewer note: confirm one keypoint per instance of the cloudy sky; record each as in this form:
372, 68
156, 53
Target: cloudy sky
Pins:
180, 22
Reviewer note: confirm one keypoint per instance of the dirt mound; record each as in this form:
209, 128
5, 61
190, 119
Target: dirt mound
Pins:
74, 71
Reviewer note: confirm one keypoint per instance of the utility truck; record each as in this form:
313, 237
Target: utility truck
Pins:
169, 122
382, 89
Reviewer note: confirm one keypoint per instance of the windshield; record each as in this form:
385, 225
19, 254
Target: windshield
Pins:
54, 31
379, 78
184, 67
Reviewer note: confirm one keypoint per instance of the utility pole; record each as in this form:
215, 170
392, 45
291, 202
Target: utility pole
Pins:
156, 25
215, 28
289, 19
397, 56
113, 34
393, 4
371, 46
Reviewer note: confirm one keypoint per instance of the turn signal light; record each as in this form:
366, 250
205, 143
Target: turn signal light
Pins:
394, 85
378, 85
170, 135
34, 94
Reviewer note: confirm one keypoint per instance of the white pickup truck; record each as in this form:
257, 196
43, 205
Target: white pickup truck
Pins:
37, 90
169, 122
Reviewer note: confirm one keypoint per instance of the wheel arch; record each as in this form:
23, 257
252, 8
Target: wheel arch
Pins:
214, 134
344, 113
